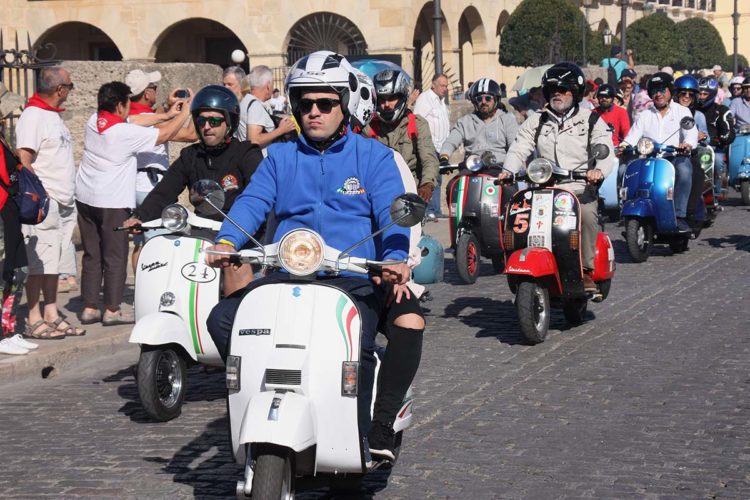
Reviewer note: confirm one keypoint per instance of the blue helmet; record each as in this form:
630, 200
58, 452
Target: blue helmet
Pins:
711, 86
687, 82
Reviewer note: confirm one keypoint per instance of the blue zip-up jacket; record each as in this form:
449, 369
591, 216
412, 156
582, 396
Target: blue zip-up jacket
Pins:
343, 194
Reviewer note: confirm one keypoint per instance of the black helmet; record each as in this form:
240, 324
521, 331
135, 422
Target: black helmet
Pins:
746, 82
606, 90
660, 80
566, 75
217, 98
389, 83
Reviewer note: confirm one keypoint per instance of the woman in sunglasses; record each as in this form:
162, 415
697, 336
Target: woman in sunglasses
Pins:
217, 156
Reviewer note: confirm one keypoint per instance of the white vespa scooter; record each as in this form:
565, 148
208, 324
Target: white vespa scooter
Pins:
293, 366
174, 294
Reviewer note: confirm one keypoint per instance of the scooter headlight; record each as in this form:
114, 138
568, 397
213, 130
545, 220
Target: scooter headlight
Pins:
645, 146
301, 252
473, 163
539, 171
174, 218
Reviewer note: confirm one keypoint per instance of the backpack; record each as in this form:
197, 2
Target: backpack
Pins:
26, 190
276, 119
611, 74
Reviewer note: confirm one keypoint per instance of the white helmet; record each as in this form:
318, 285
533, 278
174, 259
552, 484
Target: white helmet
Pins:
367, 100
324, 70
737, 80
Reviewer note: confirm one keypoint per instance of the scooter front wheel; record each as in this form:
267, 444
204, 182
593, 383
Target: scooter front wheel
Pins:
467, 258
273, 478
639, 236
532, 305
162, 382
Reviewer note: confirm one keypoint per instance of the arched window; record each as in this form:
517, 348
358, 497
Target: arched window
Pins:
324, 31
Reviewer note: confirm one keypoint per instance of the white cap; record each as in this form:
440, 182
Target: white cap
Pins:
138, 80
668, 70
716, 68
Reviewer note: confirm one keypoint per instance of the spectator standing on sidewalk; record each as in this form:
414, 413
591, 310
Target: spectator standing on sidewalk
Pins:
44, 145
256, 124
432, 106
151, 164
105, 195
12, 252
232, 79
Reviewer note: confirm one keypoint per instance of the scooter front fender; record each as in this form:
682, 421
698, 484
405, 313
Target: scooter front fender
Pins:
639, 207
287, 422
534, 262
162, 328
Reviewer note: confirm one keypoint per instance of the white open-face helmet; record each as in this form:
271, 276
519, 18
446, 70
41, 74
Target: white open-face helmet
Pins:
367, 100
324, 70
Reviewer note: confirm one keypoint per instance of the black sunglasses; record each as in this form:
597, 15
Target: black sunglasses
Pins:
324, 105
213, 121
485, 98
686, 93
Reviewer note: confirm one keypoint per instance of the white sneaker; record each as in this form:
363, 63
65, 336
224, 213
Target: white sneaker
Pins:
8, 347
22, 342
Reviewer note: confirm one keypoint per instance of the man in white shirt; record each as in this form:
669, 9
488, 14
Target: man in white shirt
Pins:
256, 124
105, 195
431, 105
44, 146
661, 123
277, 103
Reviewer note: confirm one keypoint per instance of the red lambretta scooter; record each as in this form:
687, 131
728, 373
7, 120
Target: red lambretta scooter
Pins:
542, 243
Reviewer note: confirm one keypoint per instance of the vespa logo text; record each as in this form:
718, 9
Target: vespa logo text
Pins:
152, 266
255, 331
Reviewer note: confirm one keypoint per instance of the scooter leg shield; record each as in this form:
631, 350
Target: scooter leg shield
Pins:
283, 419
161, 329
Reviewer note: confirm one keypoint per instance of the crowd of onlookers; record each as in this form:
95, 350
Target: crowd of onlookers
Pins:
125, 154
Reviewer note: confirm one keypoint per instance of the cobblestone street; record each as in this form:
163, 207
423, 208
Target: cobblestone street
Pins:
648, 398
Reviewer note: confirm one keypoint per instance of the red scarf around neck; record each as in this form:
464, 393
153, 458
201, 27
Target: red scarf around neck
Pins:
136, 108
35, 101
105, 120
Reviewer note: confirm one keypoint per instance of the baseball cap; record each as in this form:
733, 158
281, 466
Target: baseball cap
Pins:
627, 73
716, 68
138, 80
9, 101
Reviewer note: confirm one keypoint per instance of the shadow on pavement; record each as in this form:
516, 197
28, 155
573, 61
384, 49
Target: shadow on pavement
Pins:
493, 318
739, 241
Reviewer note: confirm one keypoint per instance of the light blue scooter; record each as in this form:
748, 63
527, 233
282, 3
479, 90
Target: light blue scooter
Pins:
739, 163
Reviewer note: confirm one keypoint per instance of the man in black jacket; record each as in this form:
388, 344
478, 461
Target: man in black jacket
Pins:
217, 157
720, 122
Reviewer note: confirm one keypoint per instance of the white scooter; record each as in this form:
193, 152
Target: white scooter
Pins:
174, 293
293, 366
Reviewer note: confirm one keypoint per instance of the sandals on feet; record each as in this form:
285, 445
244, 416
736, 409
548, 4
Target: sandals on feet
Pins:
60, 325
48, 333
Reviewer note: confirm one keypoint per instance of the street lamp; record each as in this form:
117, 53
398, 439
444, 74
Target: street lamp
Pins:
606, 33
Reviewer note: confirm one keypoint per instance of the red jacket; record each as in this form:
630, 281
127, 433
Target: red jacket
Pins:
617, 118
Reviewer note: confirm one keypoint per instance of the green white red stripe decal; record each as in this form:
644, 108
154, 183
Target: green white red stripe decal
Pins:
193, 303
344, 317
461, 198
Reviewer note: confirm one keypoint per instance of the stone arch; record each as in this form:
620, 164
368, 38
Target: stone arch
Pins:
78, 41
324, 31
502, 21
197, 40
424, 50
471, 40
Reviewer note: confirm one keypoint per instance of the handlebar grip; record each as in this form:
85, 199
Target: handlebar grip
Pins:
137, 227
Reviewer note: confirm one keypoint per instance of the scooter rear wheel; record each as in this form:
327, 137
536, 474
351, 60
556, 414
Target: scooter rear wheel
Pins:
532, 305
162, 382
468, 258
273, 478
639, 236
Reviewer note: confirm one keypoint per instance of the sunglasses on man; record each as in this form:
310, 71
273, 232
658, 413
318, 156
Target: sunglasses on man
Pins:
324, 105
213, 121
484, 98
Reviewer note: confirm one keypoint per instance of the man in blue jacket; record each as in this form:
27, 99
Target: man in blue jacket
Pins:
340, 185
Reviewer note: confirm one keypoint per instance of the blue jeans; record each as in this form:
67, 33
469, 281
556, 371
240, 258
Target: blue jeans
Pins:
720, 168
433, 207
683, 182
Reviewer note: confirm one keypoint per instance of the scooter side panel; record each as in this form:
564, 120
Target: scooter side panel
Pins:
475, 200
608, 189
664, 179
309, 329
604, 258
174, 263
